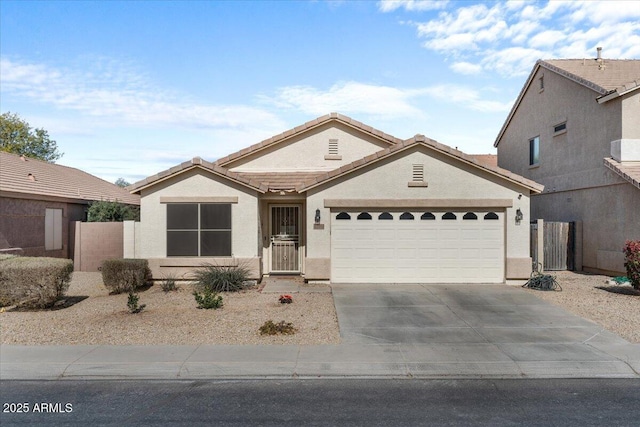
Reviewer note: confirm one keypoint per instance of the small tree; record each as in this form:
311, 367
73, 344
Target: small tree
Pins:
16, 136
105, 211
632, 262
121, 182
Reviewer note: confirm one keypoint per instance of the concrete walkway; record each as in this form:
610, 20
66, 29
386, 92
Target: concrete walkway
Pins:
389, 332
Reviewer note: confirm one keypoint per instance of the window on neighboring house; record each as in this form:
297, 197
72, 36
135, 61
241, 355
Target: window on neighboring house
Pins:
541, 83
534, 151
53, 229
199, 229
560, 128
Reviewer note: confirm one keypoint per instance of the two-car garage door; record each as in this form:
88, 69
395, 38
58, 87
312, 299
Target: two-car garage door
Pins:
417, 246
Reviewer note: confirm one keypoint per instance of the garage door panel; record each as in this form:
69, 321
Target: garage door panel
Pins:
425, 251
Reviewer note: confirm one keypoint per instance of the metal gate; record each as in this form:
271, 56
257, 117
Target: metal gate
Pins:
285, 239
558, 245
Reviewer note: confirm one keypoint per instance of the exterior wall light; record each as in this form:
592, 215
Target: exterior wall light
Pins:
519, 216
317, 218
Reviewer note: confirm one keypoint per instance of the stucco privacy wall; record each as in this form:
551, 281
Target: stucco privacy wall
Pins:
191, 186
96, 242
307, 151
630, 114
447, 178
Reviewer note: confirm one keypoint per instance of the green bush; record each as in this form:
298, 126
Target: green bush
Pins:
632, 262
218, 278
132, 303
125, 275
34, 282
208, 299
106, 211
282, 327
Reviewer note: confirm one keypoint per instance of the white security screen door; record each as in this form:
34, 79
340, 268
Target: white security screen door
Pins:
285, 239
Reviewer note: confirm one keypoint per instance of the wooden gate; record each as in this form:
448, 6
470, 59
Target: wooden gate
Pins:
558, 245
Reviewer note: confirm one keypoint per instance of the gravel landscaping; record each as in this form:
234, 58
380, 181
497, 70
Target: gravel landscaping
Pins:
616, 308
172, 318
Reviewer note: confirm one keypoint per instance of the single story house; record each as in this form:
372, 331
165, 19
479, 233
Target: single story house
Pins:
337, 200
39, 200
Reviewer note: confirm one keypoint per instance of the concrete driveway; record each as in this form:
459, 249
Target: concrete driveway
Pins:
479, 328
428, 314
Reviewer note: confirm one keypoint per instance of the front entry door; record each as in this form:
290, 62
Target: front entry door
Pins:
285, 239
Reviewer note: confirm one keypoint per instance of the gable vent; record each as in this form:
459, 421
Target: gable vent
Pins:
333, 147
418, 173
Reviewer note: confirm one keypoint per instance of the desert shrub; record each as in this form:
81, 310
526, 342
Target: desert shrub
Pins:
285, 299
208, 299
168, 283
632, 262
34, 282
6, 256
125, 275
132, 303
218, 278
282, 327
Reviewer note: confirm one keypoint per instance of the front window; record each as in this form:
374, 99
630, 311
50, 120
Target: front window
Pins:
198, 229
534, 151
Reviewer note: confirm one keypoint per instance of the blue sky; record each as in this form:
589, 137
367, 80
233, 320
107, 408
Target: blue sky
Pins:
128, 89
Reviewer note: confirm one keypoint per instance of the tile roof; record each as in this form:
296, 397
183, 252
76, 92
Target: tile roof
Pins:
416, 140
628, 170
202, 164
603, 76
279, 181
486, 159
30, 176
305, 127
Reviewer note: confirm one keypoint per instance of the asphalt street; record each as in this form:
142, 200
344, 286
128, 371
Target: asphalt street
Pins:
334, 402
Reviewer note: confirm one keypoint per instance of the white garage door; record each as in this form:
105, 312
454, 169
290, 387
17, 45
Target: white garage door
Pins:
417, 247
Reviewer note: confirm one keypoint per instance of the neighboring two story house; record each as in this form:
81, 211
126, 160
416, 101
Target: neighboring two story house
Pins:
335, 199
575, 128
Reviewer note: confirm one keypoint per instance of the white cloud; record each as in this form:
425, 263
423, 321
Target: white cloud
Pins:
380, 101
114, 90
508, 37
466, 68
348, 97
467, 97
411, 5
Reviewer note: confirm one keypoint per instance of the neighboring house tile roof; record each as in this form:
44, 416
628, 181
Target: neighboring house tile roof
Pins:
305, 127
628, 170
29, 176
603, 76
197, 162
609, 78
486, 159
416, 140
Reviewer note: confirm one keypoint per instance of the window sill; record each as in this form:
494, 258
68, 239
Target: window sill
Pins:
537, 165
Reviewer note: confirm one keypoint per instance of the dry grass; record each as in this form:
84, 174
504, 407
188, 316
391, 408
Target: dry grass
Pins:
171, 318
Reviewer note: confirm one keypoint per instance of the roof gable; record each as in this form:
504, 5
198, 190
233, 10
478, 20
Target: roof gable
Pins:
199, 163
608, 78
284, 137
27, 176
430, 144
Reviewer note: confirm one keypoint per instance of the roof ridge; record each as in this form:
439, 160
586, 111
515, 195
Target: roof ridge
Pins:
303, 128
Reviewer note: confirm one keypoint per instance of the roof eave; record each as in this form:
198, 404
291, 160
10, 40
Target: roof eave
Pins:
615, 94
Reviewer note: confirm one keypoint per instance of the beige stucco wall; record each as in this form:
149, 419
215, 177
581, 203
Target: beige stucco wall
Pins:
610, 216
96, 242
578, 187
447, 178
630, 116
198, 183
308, 150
